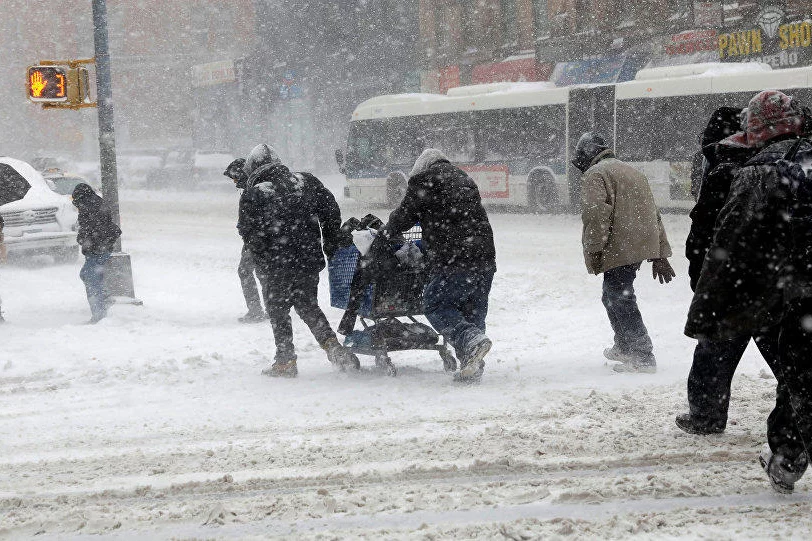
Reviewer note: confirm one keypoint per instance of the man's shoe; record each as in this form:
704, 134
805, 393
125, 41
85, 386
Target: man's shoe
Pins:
693, 425
341, 357
636, 367
473, 360
282, 369
782, 472
616, 354
253, 316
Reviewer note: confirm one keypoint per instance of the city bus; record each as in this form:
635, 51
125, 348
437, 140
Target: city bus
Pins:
515, 139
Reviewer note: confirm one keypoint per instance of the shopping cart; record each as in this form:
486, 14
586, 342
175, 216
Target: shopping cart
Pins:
386, 299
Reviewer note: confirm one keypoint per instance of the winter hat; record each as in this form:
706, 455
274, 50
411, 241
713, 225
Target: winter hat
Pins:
236, 171
589, 146
429, 157
84, 196
260, 155
772, 114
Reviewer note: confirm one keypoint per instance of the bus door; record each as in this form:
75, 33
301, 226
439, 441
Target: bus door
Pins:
590, 109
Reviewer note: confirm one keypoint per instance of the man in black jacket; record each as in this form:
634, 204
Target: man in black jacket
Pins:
246, 269
458, 239
97, 236
757, 277
715, 361
284, 219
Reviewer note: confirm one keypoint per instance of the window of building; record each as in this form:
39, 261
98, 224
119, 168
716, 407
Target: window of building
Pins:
511, 24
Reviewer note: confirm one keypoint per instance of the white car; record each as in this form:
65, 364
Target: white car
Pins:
41, 222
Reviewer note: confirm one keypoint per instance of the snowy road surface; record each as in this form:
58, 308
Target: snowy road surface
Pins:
157, 424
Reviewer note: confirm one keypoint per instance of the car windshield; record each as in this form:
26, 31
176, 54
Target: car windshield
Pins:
64, 185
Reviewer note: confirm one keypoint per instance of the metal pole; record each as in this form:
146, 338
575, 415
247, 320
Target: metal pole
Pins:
104, 89
119, 280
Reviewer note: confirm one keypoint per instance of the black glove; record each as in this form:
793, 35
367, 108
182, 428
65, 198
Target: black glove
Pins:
661, 268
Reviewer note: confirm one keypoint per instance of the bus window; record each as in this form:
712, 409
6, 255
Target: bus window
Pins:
454, 135
367, 147
542, 131
406, 139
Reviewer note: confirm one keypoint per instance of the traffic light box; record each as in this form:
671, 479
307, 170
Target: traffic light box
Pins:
59, 86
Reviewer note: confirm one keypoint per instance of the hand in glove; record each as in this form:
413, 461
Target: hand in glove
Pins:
661, 268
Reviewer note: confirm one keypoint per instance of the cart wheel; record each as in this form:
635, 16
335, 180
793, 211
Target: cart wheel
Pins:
449, 362
383, 361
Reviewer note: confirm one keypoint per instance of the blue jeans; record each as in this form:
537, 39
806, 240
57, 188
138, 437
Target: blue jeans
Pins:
631, 335
92, 274
456, 303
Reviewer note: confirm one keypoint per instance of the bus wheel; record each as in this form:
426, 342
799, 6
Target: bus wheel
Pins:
395, 188
542, 197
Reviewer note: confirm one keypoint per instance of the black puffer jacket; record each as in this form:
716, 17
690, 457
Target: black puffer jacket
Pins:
724, 162
456, 231
97, 231
283, 219
745, 274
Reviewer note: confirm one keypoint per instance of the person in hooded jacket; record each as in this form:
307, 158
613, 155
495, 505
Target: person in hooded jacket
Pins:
246, 269
715, 362
757, 276
290, 221
97, 236
458, 241
621, 229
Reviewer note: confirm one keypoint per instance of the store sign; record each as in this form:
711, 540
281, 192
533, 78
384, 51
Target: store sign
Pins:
593, 71
771, 41
524, 69
693, 41
214, 73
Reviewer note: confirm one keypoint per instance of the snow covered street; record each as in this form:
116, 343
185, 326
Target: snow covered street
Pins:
156, 423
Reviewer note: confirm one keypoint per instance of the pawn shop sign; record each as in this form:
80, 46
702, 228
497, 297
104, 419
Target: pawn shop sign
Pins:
48, 84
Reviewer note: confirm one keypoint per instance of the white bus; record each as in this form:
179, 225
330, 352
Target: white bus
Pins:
515, 139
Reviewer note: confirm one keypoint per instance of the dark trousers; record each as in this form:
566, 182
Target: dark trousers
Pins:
249, 284
92, 274
711, 376
456, 304
631, 335
283, 292
795, 372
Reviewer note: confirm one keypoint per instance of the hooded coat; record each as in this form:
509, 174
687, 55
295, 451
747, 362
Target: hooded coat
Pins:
621, 223
98, 232
748, 269
285, 217
724, 160
446, 203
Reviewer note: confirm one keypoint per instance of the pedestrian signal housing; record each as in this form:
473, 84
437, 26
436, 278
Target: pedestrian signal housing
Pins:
48, 84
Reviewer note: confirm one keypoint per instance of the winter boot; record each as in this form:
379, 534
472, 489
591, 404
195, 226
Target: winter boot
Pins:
637, 366
282, 369
473, 359
783, 472
694, 425
341, 357
614, 353
253, 316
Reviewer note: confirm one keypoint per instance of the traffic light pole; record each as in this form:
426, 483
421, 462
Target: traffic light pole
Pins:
119, 281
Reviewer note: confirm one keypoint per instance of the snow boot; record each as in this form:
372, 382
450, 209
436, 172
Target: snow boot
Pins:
282, 369
783, 472
694, 425
473, 360
637, 366
614, 353
341, 357
253, 316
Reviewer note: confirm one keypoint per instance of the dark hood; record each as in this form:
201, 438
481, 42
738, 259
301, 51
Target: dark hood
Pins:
724, 122
84, 197
276, 181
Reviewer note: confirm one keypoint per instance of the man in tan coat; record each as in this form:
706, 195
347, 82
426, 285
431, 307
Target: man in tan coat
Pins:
622, 228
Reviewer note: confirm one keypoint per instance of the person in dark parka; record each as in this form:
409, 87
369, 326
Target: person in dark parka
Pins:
715, 362
97, 236
756, 277
458, 240
290, 221
246, 269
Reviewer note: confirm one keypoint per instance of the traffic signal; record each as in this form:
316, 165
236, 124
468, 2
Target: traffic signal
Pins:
48, 84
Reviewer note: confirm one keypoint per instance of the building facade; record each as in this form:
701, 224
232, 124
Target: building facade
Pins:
596, 41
